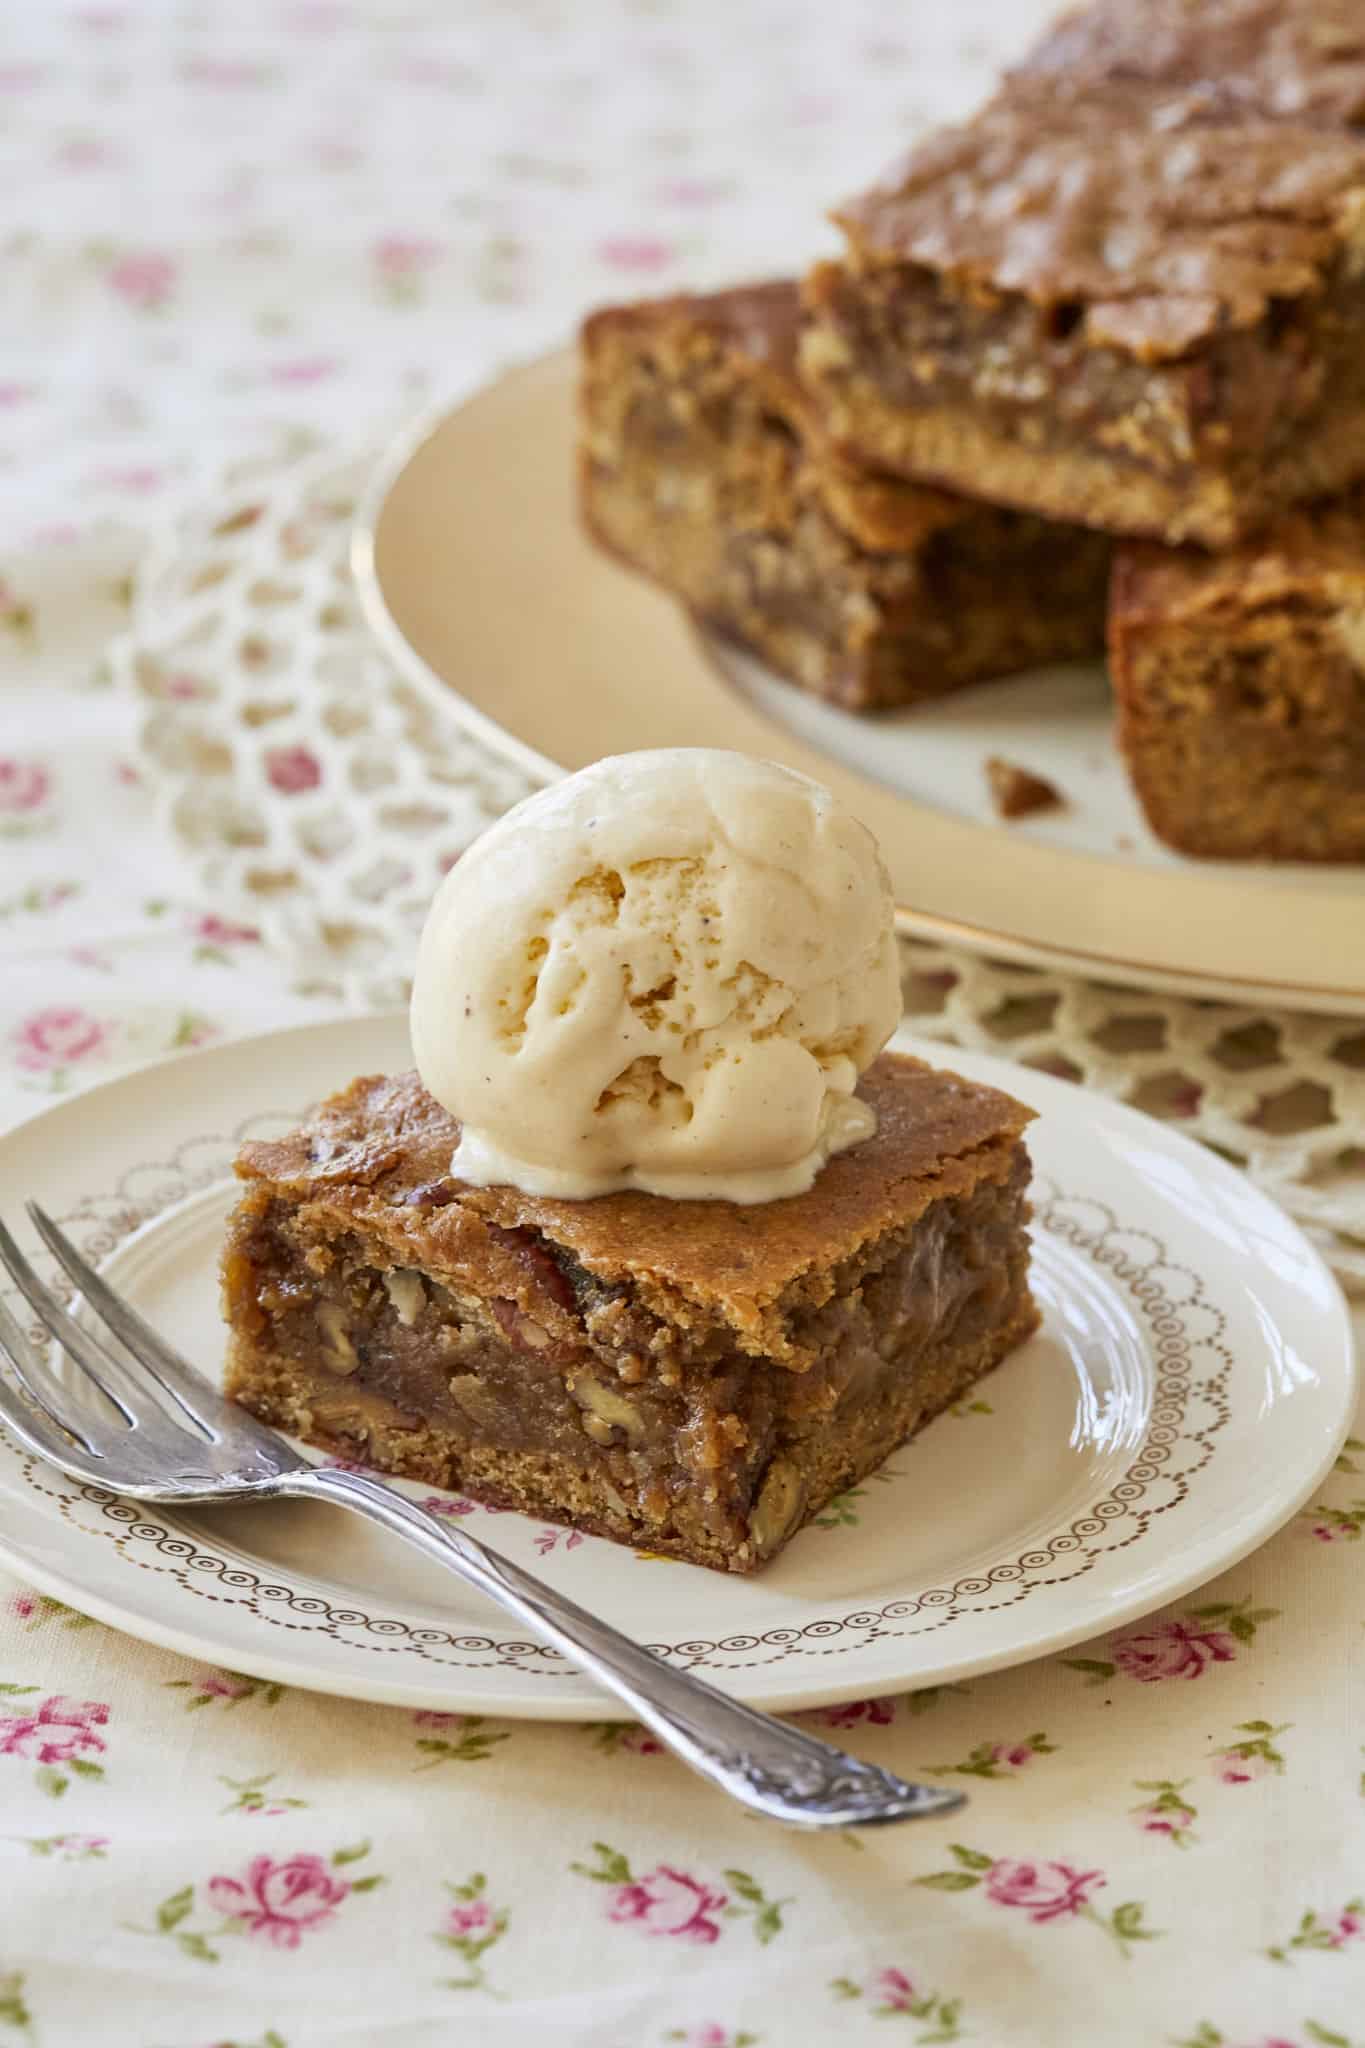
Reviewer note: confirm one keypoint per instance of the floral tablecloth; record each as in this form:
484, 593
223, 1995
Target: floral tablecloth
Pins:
222, 223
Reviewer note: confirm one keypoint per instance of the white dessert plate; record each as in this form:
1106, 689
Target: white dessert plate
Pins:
478, 580
1192, 1383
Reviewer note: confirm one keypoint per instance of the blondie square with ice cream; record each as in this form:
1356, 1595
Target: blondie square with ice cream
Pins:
658, 1241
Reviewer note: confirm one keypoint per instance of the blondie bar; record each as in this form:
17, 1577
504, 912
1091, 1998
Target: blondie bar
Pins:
1240, 686
1127, 301
703, 464
681, 1375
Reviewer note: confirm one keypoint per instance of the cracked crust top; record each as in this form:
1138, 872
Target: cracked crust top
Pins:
1281, 57
1164, 215
1313, 556
377, 1157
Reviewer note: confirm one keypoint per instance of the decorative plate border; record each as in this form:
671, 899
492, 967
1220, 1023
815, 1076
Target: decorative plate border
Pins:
1190, 1405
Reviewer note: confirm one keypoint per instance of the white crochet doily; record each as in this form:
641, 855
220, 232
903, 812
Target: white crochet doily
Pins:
313, 792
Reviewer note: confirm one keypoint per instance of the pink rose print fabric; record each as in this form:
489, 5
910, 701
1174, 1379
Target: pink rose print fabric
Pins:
144, 280
625, 1737
1169, 1812
276, 1901
212, 930
475, 1918
643, 254
669, 1902
1045, 1891
473, 1927
58, 1037
280, 1902
1173, 1649
681, 1905
56, 1732
892, 1993
876, 1713
892, 1988
24, 787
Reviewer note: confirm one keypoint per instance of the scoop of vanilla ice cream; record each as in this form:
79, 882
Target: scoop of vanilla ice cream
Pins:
665, 972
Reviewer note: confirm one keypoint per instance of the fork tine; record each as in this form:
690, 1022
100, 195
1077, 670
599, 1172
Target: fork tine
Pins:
105, 1372
54, 1446
199, 1401
38, 1425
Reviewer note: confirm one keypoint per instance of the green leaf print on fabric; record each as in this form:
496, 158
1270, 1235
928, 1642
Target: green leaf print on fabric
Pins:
996, 1759
710, 2035
928, 1697
1328, 1936
1206, 2035
17, 615
173, 1910
192, 1027
226, 1688
1335, 1525
1169, 1813
13, 2010
612, 1867
1238, 1763
892, 1994
1238, 1617
36, 1610
472, 1927
70, 1848
252, 1796
750, 1898
474, 1742
1095, 1670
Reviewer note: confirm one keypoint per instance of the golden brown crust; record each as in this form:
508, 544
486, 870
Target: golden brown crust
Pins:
1281, 57
1314, 555
760, 322
1239, 683
689, 1376
1167, 217
381, 1150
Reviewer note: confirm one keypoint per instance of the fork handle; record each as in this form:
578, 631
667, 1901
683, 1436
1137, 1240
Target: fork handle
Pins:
777, 1770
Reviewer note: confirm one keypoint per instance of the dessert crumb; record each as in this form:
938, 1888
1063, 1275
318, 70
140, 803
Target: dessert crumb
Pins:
1017, 792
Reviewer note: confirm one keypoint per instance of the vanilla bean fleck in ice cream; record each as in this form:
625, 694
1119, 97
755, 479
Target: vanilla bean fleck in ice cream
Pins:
667, 973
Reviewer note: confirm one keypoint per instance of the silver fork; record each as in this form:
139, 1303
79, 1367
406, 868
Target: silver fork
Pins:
174, 1438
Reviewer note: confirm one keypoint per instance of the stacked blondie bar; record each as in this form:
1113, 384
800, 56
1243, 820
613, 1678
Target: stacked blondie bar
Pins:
1093, 360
